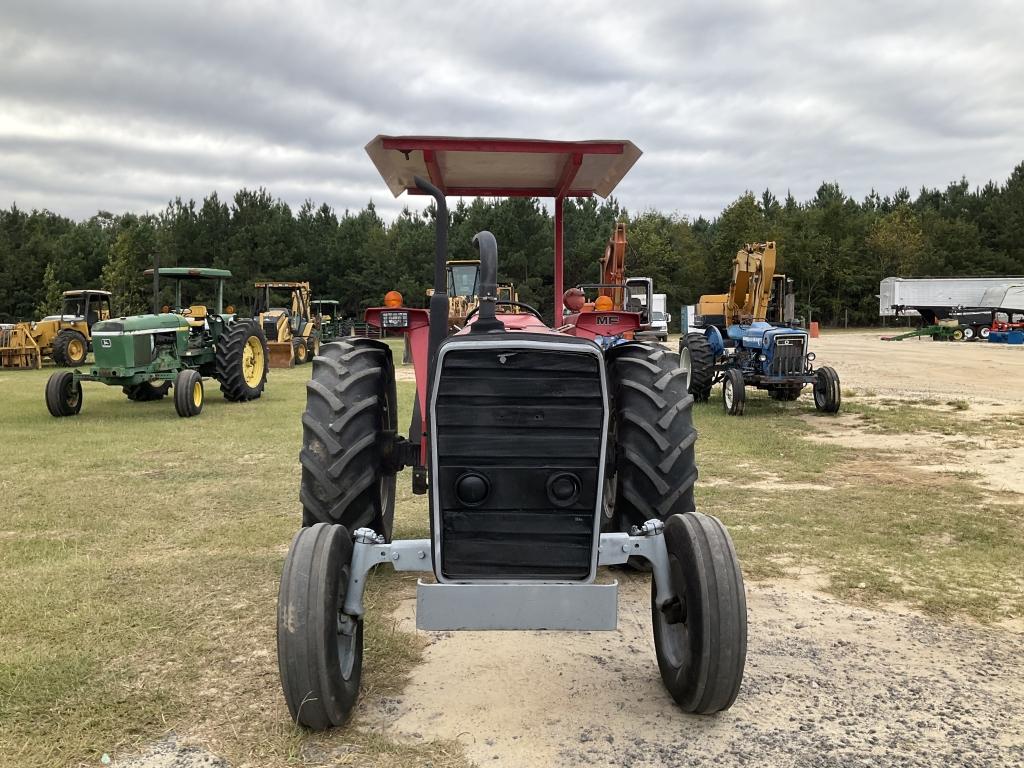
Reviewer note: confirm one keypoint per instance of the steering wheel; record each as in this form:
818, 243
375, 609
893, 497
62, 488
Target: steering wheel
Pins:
519, 304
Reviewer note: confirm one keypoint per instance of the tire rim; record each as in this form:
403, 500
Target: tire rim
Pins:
75, 349
197, 393
968, 333
727, 393
686, 365
675, 637
252, 361
820, 393
984, 332
301, 352
72, 395
346, 633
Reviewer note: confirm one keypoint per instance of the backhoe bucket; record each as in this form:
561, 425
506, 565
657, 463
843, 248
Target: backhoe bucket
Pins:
281, 354
18, 349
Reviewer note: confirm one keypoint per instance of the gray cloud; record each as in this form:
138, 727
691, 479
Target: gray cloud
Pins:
125, 105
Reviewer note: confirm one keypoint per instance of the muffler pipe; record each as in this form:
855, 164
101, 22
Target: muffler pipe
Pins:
439, 301
486, 322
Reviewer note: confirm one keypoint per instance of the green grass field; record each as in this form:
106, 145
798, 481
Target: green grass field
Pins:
140, 554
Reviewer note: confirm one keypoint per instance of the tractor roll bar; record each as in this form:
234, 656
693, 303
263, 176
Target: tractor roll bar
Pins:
488, 247
439, 300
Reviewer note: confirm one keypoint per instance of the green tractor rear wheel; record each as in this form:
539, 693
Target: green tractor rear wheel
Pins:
70, 349
242, 359
63, 394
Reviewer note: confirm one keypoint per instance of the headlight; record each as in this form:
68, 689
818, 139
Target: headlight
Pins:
394, 319
810, 357
762, 357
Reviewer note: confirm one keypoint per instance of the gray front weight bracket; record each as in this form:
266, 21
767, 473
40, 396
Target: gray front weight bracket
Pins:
370, 550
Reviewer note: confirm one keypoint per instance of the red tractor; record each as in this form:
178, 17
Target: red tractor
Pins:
545, 453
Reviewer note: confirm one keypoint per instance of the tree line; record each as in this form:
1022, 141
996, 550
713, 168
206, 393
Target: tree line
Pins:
836, 248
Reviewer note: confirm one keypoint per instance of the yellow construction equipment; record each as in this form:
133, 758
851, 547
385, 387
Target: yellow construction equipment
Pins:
463, 296
284, 312
756, 292
64, 338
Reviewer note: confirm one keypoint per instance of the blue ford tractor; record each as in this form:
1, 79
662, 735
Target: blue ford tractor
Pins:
737, 346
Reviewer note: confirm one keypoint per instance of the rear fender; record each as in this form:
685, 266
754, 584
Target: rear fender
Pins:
590, 325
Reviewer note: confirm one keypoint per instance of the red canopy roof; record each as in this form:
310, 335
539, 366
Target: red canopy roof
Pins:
503, 167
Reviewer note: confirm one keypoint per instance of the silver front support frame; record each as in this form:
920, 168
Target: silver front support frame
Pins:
510, 605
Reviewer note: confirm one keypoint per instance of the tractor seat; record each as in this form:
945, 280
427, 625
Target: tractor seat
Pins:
197, 315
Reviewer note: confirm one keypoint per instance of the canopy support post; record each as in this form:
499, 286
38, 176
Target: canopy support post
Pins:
559, 258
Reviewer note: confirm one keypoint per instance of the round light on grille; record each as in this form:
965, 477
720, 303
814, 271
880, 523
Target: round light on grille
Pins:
563, 489
762, 357
471, 489
810, 357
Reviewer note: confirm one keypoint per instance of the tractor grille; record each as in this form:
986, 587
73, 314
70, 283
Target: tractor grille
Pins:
788, 359
270, 328
529, 422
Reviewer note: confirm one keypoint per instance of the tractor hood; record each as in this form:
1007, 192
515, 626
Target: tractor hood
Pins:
141, 324
762, 335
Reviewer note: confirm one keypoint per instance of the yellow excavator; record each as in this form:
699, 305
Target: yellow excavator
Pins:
64, 338
756, 292
284, 312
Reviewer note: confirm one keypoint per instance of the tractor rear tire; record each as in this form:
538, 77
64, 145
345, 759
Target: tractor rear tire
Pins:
701, 364
700, 638
785, 392
300, 351
70, 349
188, 393
319, 648
655, 466
827, 394
734, 394
63, 394
351, 402
147, 391
242, 360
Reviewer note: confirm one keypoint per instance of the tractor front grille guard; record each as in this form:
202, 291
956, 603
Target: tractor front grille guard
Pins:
789, 359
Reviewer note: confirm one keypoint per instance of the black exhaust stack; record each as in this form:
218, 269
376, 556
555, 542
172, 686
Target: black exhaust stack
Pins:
439, 301
486, 322
156, 284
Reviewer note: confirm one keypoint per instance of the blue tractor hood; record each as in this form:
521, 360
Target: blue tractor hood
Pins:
761, 335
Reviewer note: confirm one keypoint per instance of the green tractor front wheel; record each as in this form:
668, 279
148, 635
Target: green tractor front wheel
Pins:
63, 394
188, 393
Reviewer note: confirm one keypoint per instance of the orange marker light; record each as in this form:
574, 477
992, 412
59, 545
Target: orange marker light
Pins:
603, 303
392, 299
230, 309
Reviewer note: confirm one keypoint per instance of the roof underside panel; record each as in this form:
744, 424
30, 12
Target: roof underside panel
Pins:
503, 167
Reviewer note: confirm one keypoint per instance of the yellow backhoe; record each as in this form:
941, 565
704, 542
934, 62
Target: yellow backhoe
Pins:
284, 312
64, 338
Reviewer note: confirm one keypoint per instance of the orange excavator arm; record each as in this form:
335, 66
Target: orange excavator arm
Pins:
613, 265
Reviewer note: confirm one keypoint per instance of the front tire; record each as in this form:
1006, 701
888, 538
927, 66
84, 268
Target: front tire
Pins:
300, 351
188, 393
655, 465
351, 401
70, 349
827, 394
63, 394
700, 637
242, 357
701, 364
319, 648
734, 394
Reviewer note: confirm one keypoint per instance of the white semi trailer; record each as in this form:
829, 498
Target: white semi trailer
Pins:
897, 295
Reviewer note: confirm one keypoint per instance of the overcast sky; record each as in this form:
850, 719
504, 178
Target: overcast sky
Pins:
122, 106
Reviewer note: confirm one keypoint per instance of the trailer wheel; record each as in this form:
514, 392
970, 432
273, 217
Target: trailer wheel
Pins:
63, 394
319, 648
827, 394
188, 393
785, 392
983, 332
968, 333
655, 466
733, 392
242, 359
351, 401
147, 391
700, 637
696, 355
70, 349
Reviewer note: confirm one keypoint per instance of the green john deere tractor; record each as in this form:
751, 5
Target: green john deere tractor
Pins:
146, 355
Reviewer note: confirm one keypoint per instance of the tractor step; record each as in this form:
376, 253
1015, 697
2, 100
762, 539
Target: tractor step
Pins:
441, 607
